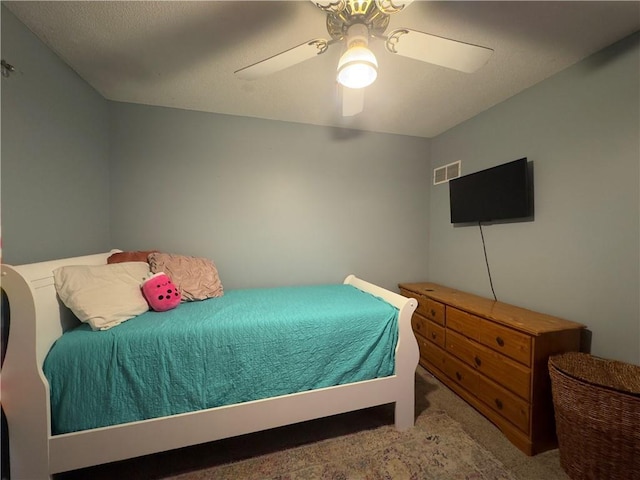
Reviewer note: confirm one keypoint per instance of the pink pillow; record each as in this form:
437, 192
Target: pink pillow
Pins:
160, 292
197, 278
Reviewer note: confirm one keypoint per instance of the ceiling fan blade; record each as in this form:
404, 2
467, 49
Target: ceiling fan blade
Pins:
445, 52
285, 59
352, 101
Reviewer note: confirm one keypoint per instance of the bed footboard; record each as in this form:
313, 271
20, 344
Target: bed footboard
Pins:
407, 353
38, 319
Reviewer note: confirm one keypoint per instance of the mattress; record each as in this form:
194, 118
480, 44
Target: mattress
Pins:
246, 345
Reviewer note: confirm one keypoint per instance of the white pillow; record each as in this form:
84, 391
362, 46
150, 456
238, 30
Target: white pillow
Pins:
103, 295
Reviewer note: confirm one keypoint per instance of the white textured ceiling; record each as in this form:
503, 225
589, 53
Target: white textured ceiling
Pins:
183, 54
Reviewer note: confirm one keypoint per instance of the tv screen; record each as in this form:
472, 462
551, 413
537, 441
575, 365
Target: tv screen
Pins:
498, 193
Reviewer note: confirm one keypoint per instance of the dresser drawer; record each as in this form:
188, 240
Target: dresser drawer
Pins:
419, 325
431, 309
428, 329
460, 373
508, 405
435, 333
509, 342
432, 354
510, 374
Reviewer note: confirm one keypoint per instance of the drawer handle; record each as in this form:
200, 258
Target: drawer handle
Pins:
433, 312
500, 341
418, 326
458, 376
433, 335
499, 403
477, 360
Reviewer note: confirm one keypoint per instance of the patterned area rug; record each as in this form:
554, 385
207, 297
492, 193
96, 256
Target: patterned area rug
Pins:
437, 448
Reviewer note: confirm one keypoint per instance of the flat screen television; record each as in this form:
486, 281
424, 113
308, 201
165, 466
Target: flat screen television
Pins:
499, 193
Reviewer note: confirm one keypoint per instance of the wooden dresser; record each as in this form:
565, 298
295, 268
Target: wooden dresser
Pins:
494, 356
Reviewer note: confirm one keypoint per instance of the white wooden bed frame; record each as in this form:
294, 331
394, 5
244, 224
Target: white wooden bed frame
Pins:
38, 319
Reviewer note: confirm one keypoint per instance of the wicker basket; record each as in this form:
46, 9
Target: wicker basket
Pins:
597, 411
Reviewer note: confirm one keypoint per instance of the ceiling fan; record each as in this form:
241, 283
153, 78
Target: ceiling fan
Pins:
354, 22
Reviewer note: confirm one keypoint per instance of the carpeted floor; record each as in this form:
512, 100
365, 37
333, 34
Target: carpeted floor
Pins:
450, 441
436, 448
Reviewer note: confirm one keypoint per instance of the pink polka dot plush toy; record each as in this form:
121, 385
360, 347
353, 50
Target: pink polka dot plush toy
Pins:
160, 292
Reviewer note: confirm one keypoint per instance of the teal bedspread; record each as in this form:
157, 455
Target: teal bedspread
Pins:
247, 345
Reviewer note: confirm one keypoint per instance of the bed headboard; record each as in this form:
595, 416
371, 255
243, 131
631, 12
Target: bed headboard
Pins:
34, 305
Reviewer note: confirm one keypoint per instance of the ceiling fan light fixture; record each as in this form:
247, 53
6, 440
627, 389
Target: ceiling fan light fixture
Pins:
358, 67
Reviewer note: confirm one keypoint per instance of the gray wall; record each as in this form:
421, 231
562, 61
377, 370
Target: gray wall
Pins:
272, 203
579, 259
275, 203
55, 184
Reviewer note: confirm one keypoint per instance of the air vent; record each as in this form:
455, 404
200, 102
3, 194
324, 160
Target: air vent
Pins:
446, 173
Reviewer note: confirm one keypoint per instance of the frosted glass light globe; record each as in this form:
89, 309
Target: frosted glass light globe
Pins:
357, 67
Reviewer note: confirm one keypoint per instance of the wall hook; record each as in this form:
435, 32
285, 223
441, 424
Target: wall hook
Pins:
6, 69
